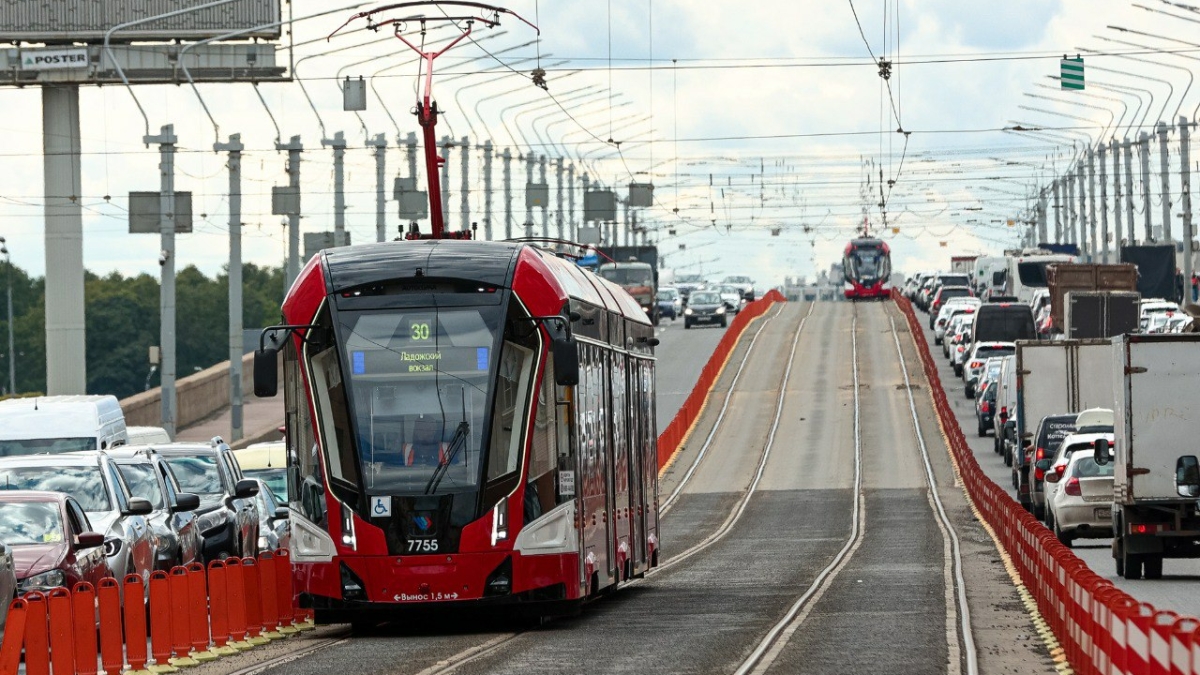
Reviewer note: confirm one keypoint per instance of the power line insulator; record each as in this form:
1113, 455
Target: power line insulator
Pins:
539, 78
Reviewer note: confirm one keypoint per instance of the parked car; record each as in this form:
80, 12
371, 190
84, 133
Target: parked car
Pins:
228, 515
973, 363
274, 524
49, 542
173, 519
985, 409
705, 307
1081, 504
670, 302
267, 462
1048, 436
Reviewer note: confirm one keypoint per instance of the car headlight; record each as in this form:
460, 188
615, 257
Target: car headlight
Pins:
688, 311
112, 547
646, 308
720, 310
51, 579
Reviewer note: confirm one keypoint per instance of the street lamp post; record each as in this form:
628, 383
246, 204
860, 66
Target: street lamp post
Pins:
12, 354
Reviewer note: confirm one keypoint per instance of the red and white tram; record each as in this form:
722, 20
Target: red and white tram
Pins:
469, 425
867, 263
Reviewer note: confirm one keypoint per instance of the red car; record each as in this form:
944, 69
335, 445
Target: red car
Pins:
52, 542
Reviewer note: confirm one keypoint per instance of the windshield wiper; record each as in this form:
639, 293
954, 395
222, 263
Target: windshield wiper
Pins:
456, 443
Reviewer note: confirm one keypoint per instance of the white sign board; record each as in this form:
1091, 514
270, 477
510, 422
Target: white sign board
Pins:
53, 59
381, 507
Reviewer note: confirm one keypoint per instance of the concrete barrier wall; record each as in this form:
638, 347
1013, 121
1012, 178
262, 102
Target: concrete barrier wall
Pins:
197, 396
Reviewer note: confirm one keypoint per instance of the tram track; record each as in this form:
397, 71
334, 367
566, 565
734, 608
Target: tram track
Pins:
763, 656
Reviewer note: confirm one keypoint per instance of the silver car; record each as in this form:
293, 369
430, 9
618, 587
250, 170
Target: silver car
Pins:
173, 519
274, 526
1080, 505
93, 480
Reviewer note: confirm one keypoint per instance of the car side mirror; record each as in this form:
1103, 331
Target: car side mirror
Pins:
88, 540
1187, 476
186, 501
245, 489
1042, 464
266, 372
1102, 453
139, 507
1052, 477
282, 513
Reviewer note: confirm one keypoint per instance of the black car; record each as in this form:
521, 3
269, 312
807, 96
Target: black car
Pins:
1049, 435
985, 408
228, 514
705, 307
173, 519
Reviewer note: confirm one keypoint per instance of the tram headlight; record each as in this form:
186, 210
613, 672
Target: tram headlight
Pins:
500, 521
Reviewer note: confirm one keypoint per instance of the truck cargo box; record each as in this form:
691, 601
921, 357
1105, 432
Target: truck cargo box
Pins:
1065, 278
1100, 314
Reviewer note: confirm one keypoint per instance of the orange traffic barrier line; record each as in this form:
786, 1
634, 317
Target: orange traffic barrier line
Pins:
235, 586
112, 646
181, 619
160, 623
283, 592
135, 625
219, 608
267, 569
37, 639
254, 622
14, 638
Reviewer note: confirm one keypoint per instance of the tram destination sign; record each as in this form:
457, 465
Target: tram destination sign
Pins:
71, 21
420, 360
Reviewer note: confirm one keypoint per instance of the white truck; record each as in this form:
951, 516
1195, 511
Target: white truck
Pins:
1156, 470
1053, 378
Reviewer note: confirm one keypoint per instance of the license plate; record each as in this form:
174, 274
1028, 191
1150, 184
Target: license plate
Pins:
1104, 513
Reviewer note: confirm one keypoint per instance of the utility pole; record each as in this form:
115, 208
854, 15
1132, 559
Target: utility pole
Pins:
410, 151
1081, 175
1104, 208
558, 177
1129, 189
447, 143
1057, 213
380, 145
583, 218
1097, 244
1041, 220
236, 346
528, 204
625, 220
1116, 153
545, 205
294, 149
572, 223
465, 199
1165, 170
508, 214
1069, 220
1185, 189
166, 303
487, 190
1144, 156
338, 143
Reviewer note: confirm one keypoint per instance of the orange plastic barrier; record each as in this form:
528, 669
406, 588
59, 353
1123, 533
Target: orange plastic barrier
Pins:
267, 590
283, 592
83, 612
670, 440
160, 619
14, 638
37, 640
235, 591
62, 631
1101, 628
135, 622
181, 619
112, 652
197, 609
250, 579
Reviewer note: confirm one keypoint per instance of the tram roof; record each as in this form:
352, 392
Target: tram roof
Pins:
486, 262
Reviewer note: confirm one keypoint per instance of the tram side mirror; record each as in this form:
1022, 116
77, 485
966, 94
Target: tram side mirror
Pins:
266, 372
1187, 476
1102, 453
566, 361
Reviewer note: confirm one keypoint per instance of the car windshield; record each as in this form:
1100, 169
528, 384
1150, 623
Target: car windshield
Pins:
24, 523
45, 446
84, 483
668, 294
1086, 467
984, 351
705, 298
198, 475
276, 479
143, 483
1034, 273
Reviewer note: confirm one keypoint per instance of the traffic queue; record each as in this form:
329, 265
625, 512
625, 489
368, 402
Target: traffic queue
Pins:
1087, 390
86, 497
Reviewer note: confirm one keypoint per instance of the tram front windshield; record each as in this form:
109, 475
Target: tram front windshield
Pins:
418, 386
867, 263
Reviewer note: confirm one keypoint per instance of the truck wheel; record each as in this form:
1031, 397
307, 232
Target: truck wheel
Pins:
1152, 565
1129, 566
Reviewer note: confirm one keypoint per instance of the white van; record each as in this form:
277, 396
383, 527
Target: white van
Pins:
147, 435
56, 424
1027, 273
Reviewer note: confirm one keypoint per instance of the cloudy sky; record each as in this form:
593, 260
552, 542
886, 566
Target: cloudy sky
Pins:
748, 117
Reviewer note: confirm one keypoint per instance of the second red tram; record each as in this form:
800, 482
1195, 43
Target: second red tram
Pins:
469, 425
867, 264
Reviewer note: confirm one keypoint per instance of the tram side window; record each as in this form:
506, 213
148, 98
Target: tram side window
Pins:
512, 388
337, 438
305, 484
539, 492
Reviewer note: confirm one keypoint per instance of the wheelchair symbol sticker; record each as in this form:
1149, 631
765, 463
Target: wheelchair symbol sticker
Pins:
381, 506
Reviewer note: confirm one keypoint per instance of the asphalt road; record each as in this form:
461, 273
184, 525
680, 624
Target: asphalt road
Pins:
890, 608
681, 356
1179, 588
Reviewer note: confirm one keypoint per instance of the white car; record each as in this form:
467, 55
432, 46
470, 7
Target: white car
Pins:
947, 313
732, 297
1079, 492
743, 283
1151, 307
980, 353
958, 324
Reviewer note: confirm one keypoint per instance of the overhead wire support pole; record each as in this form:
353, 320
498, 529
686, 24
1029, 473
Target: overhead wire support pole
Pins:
380, 144
1165, 175
1101, 151
1185, 191
166, 204
236, 347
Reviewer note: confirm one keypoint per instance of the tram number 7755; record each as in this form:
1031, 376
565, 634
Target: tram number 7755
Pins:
422, 545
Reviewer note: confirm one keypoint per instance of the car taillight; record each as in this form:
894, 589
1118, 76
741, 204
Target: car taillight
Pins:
1144, 528
960, 349
1038, 474
985, 407
1040, 454
976, 364
1003, 411
1072, 487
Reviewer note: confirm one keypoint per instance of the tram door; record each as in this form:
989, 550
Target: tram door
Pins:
637, 451
593, 416
621, 512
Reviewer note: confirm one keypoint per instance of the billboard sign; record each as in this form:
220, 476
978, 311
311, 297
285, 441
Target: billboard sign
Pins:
53, 59
71, 21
